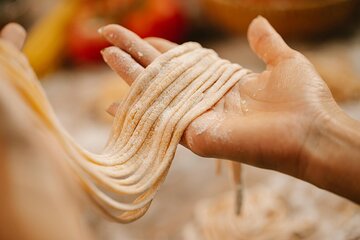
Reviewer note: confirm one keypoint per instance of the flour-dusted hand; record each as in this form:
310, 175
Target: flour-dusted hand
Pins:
283, 118
266, 118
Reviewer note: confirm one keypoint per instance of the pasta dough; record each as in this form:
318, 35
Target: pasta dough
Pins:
176, 88
285, 208
265, 216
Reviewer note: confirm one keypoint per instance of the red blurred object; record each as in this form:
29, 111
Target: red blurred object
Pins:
158, 18
84, 43
147, 18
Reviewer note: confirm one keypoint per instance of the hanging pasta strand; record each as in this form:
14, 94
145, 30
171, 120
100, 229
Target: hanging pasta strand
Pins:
176, 88
235, 173
218, 166
236, 170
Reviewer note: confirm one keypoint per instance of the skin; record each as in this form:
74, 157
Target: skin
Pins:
36, 200
283, 118
14, 33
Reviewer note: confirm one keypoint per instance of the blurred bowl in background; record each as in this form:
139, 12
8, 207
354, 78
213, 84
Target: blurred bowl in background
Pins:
291, 18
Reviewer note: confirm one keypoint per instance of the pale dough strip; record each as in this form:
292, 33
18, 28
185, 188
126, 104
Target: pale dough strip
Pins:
176, 88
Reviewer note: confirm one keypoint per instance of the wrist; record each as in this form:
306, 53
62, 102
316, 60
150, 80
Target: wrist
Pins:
331, 158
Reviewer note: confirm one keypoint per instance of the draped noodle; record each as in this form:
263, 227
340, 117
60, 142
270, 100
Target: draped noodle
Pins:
176, 88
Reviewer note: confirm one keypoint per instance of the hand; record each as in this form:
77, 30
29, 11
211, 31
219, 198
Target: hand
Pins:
283, 119
264, 120
14, 33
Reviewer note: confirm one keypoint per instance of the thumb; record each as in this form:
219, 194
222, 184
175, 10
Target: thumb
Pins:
267, 43
14, 33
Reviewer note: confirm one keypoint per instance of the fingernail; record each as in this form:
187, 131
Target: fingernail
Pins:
100, 30
112, 109
102, 52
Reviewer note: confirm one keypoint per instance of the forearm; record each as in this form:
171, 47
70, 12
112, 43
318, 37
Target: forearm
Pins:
332, 159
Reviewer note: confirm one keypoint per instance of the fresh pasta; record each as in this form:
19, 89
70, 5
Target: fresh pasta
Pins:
176, 88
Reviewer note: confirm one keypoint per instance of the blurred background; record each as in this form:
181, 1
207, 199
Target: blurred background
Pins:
63, 47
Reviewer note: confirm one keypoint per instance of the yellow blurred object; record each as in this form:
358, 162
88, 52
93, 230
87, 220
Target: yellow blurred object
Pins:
45, 44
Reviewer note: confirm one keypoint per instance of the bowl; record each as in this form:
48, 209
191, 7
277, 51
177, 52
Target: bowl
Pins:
291, 18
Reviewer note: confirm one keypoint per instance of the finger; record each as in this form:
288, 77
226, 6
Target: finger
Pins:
122, 63
131, 43
267, 43
14, 33
162, 45
112, 109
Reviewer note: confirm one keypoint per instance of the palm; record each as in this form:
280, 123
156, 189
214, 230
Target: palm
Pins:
263, 120
268, 115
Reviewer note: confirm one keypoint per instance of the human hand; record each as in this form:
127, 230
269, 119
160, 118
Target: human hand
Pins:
13, 33
264, 120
